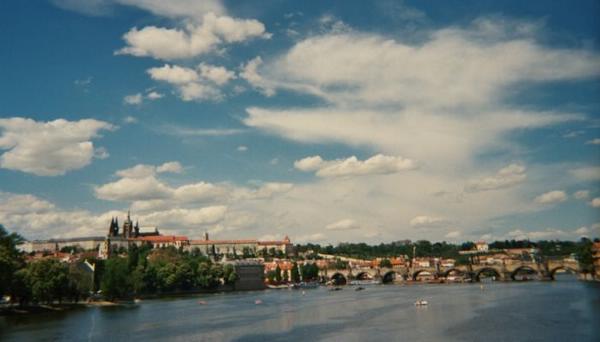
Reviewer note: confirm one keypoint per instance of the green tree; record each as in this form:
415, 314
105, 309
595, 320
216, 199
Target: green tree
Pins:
295, 274
277, 274
81, 281
385, 263
11, 260
229, 274
48, 280
116, 281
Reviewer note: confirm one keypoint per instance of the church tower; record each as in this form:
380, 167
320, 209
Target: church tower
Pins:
128, 227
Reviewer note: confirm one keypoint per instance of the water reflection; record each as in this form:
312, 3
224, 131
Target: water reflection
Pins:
561, 310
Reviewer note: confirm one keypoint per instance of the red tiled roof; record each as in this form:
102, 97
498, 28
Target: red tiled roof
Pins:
162, 238
264, 243
220, 242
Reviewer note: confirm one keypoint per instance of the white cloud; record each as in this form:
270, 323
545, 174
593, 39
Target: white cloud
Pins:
250, 74
36, 218
506, 177
595, 202
172, 167
378, 164
218, 74
548, 234
130, 119
191, 9
134, 99
593, 142
345, 224
49, 148
455, 234
583, 231
242, 148
427, 221
131, 189
187, 81
193, 40
587, 173
173, 74
582, 194
551, 197
153, 95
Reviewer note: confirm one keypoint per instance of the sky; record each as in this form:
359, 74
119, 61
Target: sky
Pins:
327, 121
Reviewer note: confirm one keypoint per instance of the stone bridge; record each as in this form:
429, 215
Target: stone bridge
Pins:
505, 272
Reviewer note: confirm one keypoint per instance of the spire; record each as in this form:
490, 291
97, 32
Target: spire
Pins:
128, 215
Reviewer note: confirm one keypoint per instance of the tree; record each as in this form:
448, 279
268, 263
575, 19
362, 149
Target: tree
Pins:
295, 274
385, 263
229, 275
81, 281
115, 281
11, 259
48, 280
277, 274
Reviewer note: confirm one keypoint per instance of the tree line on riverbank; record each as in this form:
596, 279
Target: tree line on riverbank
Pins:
140, 271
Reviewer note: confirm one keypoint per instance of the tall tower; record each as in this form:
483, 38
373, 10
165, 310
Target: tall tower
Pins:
128, 227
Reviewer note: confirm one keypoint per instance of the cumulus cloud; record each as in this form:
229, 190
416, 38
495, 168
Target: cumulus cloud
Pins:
427, 221
593, 142
193, 40
171, 9
242, 148
49, 148
250, 73
586, 173
35, 218
218, 74
378, 164
455, 234
345, 224
134, 99
551, 197
546, 234
595, 202
582, 194
506, 177
194, 84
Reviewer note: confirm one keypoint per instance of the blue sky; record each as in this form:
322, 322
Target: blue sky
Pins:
325, 121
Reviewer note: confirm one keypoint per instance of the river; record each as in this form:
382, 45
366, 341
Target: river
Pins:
563, 310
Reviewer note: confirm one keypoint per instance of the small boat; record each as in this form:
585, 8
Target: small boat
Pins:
335, 289
360, 288
421, 302
258, 302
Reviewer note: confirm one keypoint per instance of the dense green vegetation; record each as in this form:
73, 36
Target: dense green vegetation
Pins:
139, 271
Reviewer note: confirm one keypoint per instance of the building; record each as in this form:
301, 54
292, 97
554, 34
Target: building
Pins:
482, 246
56, 245
240, 247
250, 275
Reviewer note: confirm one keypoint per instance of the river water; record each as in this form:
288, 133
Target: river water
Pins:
563, 310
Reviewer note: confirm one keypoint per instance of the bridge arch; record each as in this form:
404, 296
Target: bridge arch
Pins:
417, 273
389, 277
487, 270
338, 279
523, 269
363, 276
552, 272
454, 271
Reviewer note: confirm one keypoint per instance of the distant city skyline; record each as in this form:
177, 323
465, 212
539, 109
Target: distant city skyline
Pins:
340, 121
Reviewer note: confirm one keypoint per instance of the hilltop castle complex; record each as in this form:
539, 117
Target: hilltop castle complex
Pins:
129, 234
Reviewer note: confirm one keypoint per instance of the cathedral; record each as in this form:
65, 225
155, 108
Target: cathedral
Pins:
123, 237
129, 229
